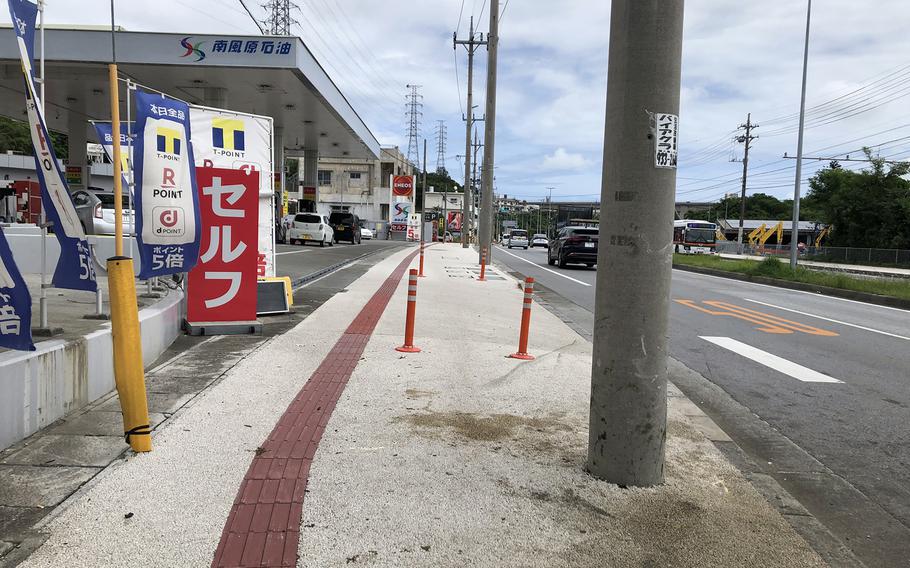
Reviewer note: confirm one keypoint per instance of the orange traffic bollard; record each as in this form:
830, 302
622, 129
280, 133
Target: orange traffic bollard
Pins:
525, 323
421, 259
408, 346
483, 264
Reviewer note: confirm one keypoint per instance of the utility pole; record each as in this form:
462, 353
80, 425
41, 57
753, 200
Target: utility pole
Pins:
489, 135
474, 185
794, 230
471, 45
549, 206
746, 139
423, 199
628, 417
414, 113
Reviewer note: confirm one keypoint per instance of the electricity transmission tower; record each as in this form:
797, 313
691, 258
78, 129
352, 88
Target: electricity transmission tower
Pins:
279, 20
441, 132
414, 113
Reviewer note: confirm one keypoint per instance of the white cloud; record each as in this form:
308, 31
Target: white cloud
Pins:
563, 160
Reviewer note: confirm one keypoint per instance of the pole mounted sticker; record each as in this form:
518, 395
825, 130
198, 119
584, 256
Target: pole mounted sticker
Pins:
666, 149
75, 266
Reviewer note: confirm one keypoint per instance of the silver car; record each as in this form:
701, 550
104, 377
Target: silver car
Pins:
95, 209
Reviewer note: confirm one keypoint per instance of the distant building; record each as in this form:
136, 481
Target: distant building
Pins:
360, 186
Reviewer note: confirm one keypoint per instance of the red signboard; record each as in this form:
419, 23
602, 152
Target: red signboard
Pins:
402, 186
222, 286
309, 192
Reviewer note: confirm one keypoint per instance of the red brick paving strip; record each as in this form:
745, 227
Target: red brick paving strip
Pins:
263, 526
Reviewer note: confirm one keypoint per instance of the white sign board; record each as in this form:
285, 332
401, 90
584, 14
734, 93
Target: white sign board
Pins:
240, 141
666, 147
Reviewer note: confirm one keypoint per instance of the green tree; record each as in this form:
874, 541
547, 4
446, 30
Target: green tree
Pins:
868, 208
15, 136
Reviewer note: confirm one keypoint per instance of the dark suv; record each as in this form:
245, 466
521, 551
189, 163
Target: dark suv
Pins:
346, 225
574, 244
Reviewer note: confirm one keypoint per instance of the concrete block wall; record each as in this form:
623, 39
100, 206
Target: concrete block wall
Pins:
39, 387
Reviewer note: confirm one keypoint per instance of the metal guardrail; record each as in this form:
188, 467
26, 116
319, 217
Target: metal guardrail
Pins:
899, 258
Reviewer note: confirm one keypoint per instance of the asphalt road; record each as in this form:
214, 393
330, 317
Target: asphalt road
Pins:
832, 375
298, 261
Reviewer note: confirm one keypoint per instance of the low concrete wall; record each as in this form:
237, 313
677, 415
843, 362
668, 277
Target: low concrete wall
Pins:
25, 242
39, 387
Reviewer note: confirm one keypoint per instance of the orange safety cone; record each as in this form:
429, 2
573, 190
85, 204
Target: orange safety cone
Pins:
409, 346
525, 323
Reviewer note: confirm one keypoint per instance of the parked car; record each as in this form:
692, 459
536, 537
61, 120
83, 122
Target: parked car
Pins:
310, 227
540, 240
574, 245
366, 234
517, 238
95, 210
346, 226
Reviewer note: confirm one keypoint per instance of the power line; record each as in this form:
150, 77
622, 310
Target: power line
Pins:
255, 21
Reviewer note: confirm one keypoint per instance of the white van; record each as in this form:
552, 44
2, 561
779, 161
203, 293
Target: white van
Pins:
517, 238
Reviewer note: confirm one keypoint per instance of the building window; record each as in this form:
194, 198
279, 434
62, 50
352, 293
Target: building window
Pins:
355, 175
324, 177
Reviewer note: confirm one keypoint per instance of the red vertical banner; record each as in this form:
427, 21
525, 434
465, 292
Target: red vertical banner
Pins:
222, 286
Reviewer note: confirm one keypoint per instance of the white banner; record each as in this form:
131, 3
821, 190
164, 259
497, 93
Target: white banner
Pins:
240, 141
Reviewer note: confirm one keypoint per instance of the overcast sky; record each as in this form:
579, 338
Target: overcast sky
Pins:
739, 57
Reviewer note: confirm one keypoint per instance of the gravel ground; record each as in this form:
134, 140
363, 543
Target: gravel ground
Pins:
459, 456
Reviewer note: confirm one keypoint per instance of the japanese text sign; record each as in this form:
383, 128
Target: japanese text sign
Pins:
666, 149
167, 211
15, 303
223, 285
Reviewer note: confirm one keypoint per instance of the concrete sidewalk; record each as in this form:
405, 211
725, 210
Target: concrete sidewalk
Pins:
456, 456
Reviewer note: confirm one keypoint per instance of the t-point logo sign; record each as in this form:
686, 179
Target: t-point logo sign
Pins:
169, 221
402, 186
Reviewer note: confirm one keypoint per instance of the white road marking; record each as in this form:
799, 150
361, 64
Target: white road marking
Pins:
779, 289
293, 251
864, 328
771, 361
542, 268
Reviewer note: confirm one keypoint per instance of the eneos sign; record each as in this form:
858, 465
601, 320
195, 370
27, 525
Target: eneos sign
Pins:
402, 186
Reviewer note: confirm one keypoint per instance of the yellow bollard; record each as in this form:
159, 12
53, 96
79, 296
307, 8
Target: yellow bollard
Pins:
128, 371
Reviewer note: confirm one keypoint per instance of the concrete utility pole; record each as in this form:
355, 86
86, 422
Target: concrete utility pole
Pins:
423, 199
474, 185
794, 231
628, 418
489, 136
746, 139
471, 45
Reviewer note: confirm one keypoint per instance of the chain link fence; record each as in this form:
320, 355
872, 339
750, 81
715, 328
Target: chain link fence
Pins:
899, 258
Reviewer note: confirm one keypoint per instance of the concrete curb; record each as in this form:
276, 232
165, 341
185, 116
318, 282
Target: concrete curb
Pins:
825, 290
42, 386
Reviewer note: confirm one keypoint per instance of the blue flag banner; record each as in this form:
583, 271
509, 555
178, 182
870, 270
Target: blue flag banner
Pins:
104, 130
15, 303
167, 206
75, 267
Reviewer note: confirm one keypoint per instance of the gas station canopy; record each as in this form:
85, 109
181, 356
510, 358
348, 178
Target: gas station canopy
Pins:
274, 76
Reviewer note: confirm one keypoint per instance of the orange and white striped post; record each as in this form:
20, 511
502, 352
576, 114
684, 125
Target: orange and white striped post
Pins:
421, 259
483, 264
525, 323
409, 346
